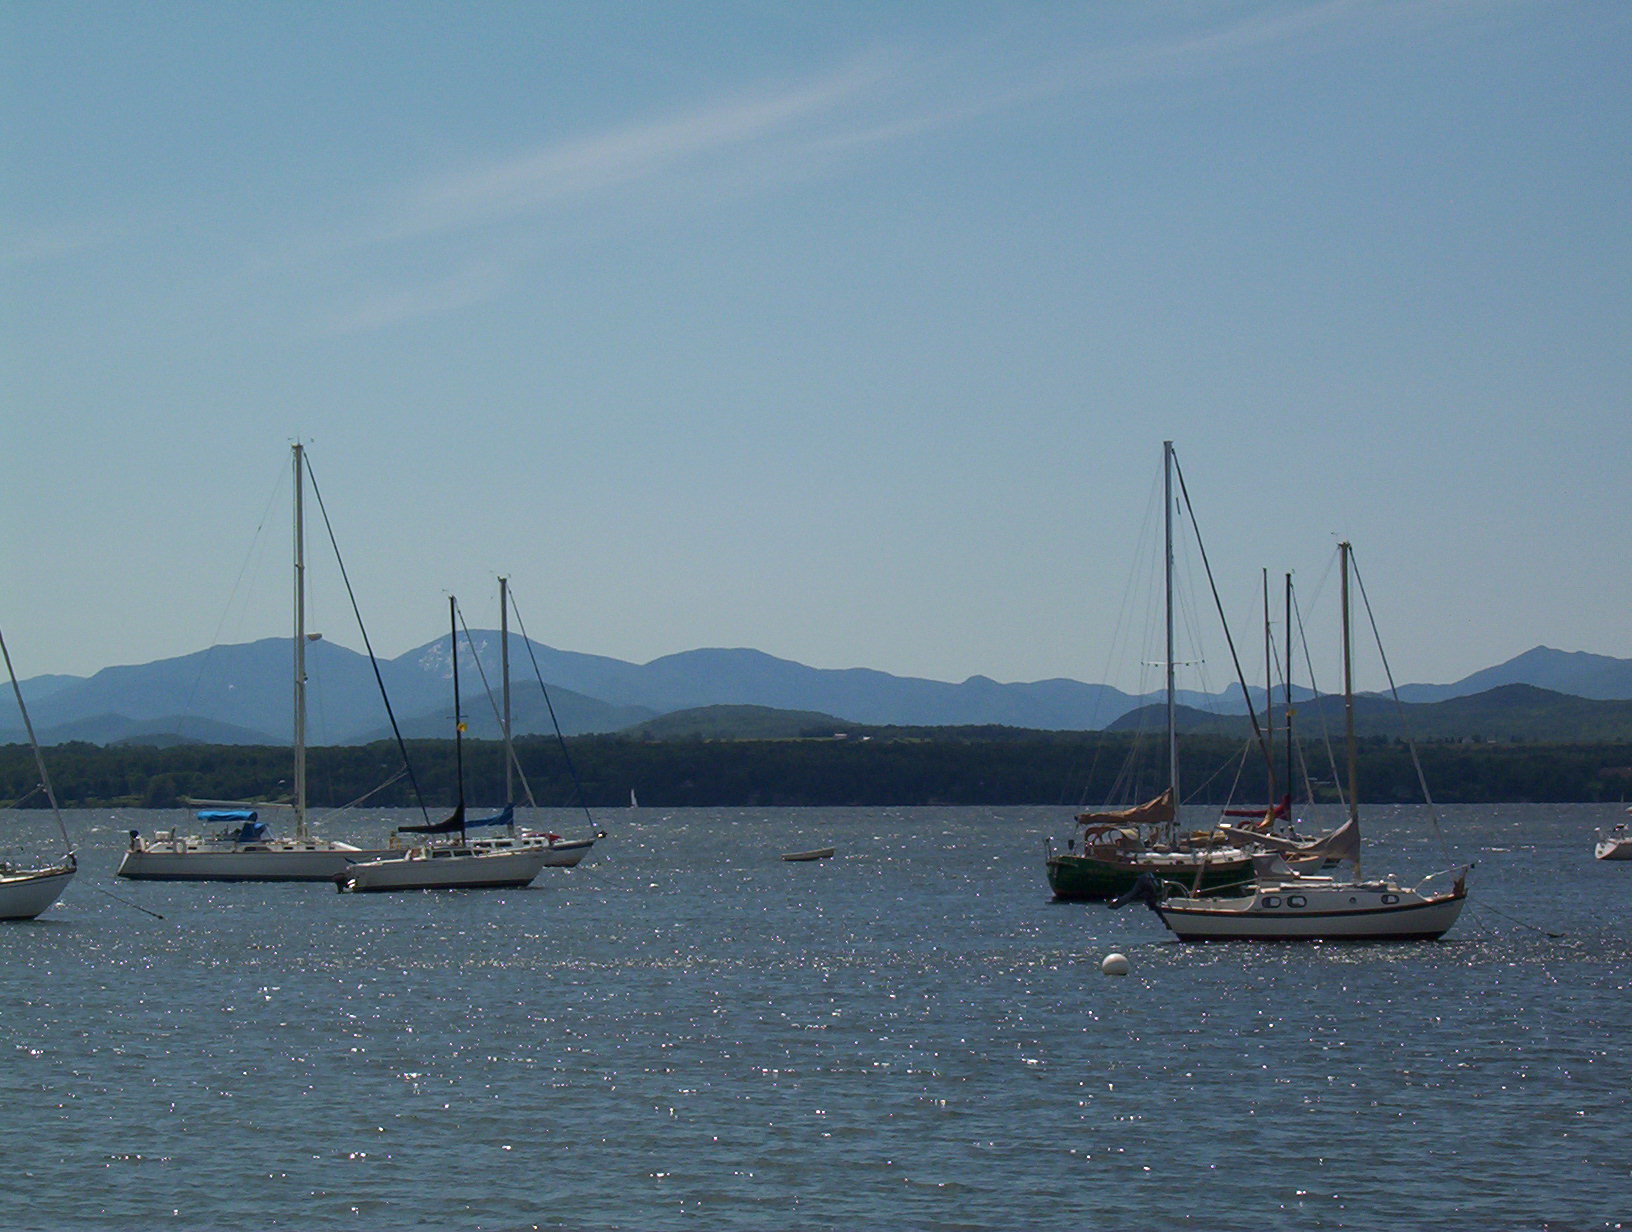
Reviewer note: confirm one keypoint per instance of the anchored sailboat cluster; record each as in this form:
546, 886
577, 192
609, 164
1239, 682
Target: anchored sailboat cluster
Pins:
244, 849
1247, 882
1249, 877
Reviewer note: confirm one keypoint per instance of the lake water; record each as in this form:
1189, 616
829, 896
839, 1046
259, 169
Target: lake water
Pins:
687, 1032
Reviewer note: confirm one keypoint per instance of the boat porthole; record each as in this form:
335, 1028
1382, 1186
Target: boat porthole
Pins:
1391, 898
1272, 902
1297, 900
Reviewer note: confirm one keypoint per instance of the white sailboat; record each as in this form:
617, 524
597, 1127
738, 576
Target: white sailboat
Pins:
244, 849
1614, 843
1285, 906
446, 865
26, 892
559, 852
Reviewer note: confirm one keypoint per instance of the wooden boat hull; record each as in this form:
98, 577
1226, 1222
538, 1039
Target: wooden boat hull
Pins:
449, 870
24, 894
1371, 912
1081, 878
820, 853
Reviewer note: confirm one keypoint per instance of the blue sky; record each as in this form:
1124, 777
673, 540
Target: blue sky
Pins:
849, 332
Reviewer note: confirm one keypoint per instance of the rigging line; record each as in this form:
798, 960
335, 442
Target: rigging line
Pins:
368, 645
332, 813
1480, 904
39, 761
1399, 709
1316, 697
494, 705
1252, 712
237, 583
561, 740
127, 902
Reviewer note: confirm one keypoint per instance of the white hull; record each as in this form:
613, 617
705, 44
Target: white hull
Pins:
450, 868
1614, 848
1335, 911
186, 859
558, 853
24, 894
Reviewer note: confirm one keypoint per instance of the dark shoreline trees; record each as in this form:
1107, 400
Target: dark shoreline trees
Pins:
863, 767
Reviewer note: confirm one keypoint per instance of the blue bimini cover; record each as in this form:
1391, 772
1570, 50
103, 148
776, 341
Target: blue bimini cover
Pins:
227, 815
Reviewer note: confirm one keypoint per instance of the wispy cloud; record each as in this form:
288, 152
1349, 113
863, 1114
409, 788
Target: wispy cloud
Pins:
580, 169
787, 131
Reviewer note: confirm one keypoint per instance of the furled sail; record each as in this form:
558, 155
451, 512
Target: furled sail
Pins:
1158, 811
1342, 843
455, 823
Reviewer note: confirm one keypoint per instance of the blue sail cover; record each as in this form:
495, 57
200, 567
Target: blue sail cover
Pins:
504, 817
227, 815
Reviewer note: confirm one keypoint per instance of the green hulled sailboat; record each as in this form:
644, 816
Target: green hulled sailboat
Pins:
1112, 848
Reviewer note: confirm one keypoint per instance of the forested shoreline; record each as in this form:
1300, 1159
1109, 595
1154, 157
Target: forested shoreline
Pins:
885, 767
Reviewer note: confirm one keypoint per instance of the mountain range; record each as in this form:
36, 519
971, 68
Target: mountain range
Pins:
241, 694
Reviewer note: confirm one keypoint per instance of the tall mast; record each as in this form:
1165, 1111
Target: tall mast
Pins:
1167, 572
1269, 701
1286, 710
300, 646
458, 716
1348, 707
504, 663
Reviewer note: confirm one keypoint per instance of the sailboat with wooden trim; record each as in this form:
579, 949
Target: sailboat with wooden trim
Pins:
1285, 906
26, 892
1117, 846
245, 849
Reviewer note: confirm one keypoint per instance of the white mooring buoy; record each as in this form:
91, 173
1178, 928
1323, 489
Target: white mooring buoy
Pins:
1116, 964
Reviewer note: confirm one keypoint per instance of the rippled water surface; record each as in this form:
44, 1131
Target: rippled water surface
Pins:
686, 1031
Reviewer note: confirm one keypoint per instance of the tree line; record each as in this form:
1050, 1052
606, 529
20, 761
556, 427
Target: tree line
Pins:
886, 767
